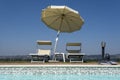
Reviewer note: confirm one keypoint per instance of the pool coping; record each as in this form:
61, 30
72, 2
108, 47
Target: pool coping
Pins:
59, 65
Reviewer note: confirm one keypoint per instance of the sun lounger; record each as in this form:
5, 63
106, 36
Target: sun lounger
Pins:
108, 63
74, 55
42, 54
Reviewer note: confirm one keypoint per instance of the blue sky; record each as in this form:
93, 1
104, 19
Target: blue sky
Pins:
21, 26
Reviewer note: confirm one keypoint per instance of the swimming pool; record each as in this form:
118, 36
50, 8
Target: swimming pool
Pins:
57, 72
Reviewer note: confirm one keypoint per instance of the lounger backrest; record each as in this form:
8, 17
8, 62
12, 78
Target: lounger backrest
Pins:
44, 52
73, 44
73, 51
44, 42
78, 45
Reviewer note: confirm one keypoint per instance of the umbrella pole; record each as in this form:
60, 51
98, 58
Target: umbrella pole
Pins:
56, 41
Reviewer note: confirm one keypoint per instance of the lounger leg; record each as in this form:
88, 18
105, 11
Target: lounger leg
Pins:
82, 59
43, 61
31, 60
70, 60
55, 58
63, 57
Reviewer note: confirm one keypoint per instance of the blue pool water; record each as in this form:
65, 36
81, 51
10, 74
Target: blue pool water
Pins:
59, 73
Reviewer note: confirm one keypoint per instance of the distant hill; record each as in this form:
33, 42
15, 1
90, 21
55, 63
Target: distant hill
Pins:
28, 58
16, 57
99, 57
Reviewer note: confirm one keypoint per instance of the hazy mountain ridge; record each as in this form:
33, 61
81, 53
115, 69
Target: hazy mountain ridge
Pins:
28, 57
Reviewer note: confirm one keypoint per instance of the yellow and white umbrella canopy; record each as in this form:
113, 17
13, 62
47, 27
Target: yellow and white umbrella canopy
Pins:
62, 19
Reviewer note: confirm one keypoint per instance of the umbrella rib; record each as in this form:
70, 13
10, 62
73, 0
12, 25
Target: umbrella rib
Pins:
54, 12
51, 16
75, 18
77, 25
54, 20
68, 24
62, 17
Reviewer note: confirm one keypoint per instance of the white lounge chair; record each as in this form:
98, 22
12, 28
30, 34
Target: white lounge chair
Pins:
42, 54
74, 55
